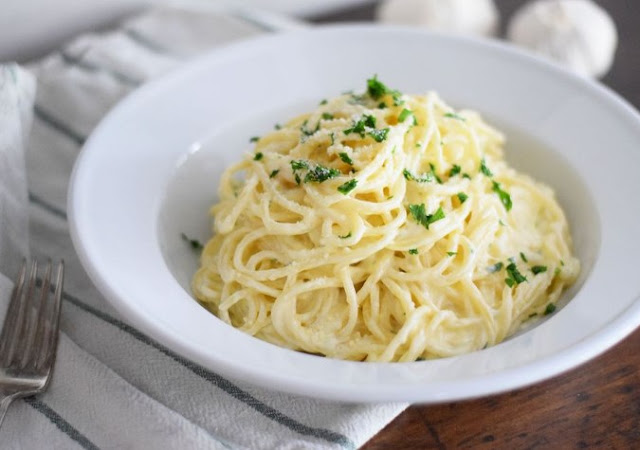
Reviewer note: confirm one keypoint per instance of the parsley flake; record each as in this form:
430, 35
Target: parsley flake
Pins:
307, 132
320, 174
484, 169
495, 268
433, 172
274, 173
299, 165
451, 115
258, 156
423, 179
515, 277
345, 158
406, 113
524, 258
377, 89
550, 309
413, 251
538, 269
327, 116
455, 170
419, 214
505, 198
194, 243
379, 135
346, 236
462, 197
466, 175
347, 187
452, 253
360, 126
254, 139
323, 101
277, 126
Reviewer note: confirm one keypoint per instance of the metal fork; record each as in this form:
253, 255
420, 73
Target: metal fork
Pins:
29, 336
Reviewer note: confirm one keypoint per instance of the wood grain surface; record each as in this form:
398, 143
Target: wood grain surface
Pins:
596, 405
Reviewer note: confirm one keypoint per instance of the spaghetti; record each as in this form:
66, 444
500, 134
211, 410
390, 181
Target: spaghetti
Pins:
383, 227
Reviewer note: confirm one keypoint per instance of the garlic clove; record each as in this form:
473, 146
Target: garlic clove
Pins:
576, 33
472, 17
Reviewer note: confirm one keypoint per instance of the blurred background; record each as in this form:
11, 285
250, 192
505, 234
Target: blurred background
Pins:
597, 38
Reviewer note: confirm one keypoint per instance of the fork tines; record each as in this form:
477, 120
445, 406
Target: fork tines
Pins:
30, 332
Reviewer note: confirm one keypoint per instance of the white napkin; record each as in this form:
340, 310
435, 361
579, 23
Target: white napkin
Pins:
114, 387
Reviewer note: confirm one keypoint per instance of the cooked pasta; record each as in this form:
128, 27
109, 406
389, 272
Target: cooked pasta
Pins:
383, 227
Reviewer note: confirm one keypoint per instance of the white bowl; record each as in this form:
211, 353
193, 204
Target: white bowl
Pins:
150, 172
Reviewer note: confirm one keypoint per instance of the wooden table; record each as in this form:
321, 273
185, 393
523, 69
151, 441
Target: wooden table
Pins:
596, 405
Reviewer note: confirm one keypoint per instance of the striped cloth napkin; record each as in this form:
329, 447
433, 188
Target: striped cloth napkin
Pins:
113, 387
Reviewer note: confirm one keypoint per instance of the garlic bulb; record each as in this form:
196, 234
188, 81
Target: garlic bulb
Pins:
577, 33
478, 17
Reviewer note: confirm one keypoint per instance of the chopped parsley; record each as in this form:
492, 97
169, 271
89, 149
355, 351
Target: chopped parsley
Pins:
413, 251
274, 173
320, 174
258, 156
452, 253
307, 132
379, 135
327, 116
462, 197
505, 198
347, 187
299, 165
484, 169
514, 275
254, 139
495, 268
550, 309
556, 272
433, 171
377, 89
538, 269
297, 178
361, 125
194, 243
323, 101
455, 170
346, 236
524, 258
466, 175
366, 125
345, 158
419, 214
406, 113
423, 179
451, 115
382, 105
277, 126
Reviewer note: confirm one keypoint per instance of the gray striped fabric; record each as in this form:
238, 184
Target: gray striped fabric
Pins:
113, 386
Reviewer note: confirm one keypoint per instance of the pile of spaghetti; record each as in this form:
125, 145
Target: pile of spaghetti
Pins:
383, 227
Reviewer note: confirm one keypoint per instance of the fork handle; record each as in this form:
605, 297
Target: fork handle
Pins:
4, 405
